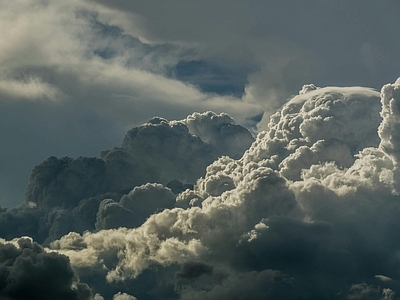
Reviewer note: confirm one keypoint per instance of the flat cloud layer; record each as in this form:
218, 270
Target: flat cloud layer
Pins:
310, 211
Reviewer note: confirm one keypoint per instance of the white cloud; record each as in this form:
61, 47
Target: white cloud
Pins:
33, 89
123, 296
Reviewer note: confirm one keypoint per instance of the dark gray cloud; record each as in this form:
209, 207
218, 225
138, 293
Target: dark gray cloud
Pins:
193, 270
65, 181
135, 207
77, 194
161, 151
20, 221
28, 272
268, 284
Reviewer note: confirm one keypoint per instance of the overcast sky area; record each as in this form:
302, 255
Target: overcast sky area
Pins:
199, 149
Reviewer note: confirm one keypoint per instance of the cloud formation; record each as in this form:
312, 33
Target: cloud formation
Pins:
309, 210
86, 193
29, 272
76, 75
197, 208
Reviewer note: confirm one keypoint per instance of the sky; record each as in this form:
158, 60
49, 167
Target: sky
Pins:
199, 149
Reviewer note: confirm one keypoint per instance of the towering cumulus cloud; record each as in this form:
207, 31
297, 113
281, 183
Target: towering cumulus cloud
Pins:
309, 210
389, 130
77, 194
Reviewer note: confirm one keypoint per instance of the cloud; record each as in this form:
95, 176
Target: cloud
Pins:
221, 131
87, 193
123, 296
65, 181
133, 208
161, 151
72, 82
299, 214
20, 222
348, 115
193, 270
388, 129
178, 235
33, 89
27, 271
157, 151
364, 291
75, 49
196, 208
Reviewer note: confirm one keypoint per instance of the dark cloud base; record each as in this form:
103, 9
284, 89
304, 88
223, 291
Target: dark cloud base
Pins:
28, 272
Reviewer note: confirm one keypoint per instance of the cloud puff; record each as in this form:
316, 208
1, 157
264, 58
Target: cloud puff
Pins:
123, 296
28, 272
20, 222
388, 130
221, 131
133, 208
161, 150
65, 181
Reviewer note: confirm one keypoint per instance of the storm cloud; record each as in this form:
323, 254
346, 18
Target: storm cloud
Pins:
255, 164
29, 272
309, 210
